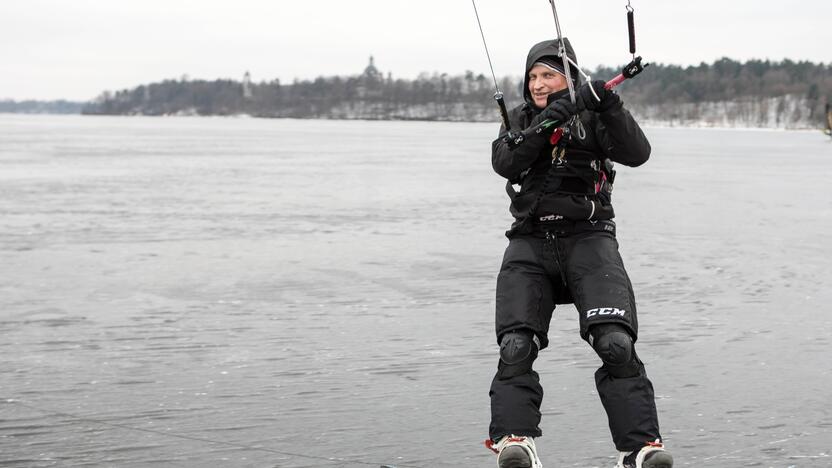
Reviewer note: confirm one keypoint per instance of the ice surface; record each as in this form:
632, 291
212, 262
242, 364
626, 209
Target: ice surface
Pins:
235, 292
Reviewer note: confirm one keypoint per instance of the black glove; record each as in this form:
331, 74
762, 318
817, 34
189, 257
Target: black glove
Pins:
608, 98
560, 110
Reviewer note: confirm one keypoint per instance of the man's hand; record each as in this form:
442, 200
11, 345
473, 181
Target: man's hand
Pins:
561, 110
607, 99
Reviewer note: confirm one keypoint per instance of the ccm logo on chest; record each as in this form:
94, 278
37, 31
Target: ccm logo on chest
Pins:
605, 311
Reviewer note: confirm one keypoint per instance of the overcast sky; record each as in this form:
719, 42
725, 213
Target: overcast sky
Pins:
75, 49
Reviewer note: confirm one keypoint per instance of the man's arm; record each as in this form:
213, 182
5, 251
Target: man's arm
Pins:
621, 137
510, 163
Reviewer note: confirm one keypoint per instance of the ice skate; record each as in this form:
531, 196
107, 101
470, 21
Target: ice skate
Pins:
515, 452
652, 455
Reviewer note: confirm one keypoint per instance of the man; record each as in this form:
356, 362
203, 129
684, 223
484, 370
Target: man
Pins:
562, 249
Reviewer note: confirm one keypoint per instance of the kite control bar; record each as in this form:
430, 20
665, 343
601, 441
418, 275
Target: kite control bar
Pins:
515, 139
632, 69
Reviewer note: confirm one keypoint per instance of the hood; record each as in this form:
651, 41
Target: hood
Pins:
544, 49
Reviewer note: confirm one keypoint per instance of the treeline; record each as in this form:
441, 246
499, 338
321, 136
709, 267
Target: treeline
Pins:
41, 107
363, 96
757, 92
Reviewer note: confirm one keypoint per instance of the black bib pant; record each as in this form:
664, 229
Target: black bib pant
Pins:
577, 264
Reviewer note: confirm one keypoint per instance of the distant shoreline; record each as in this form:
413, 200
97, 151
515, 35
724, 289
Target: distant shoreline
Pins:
646, 123
755, 94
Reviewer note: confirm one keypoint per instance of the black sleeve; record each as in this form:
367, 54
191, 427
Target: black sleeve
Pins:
510, 163
621, 138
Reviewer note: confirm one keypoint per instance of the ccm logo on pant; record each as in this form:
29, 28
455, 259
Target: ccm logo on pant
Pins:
605, 311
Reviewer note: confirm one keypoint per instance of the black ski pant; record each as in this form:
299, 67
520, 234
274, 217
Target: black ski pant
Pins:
578, 263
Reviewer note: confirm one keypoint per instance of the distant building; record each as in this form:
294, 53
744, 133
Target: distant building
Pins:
371, 72
247, 85
369, 82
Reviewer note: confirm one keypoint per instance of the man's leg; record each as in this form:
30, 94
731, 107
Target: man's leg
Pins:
625, 391
524, 308
516, 393
606, 304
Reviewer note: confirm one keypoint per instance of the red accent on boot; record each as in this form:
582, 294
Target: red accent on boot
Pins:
489, 444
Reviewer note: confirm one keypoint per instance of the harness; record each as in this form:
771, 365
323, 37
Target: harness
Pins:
594, 177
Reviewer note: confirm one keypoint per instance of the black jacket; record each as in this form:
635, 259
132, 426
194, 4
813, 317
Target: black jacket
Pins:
583, 191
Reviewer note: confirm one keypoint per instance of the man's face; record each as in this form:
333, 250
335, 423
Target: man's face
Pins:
544, 81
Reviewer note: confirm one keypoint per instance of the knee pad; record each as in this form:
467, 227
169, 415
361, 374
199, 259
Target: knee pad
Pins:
614, 346
518, 350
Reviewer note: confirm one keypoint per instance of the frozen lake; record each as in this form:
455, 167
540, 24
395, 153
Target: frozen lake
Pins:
194, 292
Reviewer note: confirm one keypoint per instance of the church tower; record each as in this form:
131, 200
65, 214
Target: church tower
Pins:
371, 71
247, 85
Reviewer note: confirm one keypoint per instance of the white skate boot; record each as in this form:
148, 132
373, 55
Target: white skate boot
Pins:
515, 452
652, 455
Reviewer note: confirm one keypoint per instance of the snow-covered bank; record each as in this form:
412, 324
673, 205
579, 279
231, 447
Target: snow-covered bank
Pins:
785, 112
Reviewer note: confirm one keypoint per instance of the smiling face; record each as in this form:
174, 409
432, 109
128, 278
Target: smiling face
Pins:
544, 81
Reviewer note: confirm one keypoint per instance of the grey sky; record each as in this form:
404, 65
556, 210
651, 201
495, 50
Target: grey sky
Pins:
76, 49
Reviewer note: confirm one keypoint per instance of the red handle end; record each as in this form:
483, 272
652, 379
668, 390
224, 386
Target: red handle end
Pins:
615, 81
